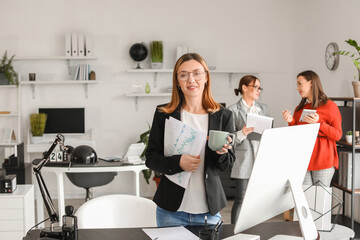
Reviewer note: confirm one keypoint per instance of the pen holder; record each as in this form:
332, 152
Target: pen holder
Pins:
208, 234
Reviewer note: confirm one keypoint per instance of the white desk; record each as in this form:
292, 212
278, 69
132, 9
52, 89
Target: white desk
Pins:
338, 233
60, 171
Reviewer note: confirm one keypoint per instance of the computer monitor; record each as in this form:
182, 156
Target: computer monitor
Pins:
64, 120
275, 184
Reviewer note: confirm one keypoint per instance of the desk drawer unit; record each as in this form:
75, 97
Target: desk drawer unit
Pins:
17, 212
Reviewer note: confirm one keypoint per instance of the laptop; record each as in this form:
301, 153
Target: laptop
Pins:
131, 157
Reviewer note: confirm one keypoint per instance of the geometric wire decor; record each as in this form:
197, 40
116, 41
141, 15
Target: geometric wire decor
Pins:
319, 188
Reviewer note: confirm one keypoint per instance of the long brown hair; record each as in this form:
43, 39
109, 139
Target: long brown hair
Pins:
177, 97
318, 95
245, 80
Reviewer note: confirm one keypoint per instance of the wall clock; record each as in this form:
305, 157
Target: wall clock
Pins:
332, 61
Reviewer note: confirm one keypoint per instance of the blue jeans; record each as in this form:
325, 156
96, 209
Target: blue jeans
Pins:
169, 219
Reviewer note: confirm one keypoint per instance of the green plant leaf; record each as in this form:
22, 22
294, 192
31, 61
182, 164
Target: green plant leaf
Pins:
357, 63
38, 123
8, 70
147, 174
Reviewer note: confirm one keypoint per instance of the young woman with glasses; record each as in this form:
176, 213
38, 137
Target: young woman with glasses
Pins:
324, 158
192, 103
247, 142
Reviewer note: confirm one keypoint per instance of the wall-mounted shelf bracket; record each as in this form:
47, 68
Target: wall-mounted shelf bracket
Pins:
68, 66
86, 88
33, 91
155, 79
136, 104
230, 79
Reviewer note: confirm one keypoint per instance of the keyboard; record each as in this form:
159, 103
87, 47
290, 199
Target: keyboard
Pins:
242, 236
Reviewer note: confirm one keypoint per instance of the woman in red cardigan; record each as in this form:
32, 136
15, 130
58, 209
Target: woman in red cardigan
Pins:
324, 158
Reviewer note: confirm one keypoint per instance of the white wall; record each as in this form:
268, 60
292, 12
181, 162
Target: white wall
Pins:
319, 23
279, 38
230, 35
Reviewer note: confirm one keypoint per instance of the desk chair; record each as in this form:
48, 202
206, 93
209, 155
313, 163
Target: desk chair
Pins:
117, 211
89, 180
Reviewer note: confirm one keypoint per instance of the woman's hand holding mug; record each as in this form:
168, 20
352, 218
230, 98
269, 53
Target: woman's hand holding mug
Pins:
220, 141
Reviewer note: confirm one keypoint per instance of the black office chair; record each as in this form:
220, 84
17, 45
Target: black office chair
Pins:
86, 155
89, 180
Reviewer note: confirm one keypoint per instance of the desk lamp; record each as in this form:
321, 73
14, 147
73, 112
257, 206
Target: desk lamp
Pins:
52, 232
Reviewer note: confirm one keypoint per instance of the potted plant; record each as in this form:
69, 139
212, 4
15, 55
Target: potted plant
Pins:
356, 59
348, 137
37, 124
144, 138
7, 72
156, 49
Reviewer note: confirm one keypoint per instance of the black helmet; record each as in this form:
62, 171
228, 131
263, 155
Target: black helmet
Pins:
84, 154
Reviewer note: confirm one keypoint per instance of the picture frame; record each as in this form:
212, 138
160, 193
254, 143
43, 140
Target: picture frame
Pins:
9, 135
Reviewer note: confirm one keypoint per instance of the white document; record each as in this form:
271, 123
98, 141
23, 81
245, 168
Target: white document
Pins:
74, 45
88, 45
81, 43
258, 122
170, 233
68, 45
180, 138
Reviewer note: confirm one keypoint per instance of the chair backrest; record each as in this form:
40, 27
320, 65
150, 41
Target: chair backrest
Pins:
117, 211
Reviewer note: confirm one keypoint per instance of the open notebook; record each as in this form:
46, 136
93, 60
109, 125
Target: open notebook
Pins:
132, 155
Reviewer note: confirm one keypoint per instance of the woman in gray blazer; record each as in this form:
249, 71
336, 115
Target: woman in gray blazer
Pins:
247, 141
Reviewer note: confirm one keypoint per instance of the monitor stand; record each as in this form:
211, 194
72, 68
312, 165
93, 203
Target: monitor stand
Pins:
307, 224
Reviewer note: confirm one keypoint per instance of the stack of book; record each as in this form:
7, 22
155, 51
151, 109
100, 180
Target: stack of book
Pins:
82, 72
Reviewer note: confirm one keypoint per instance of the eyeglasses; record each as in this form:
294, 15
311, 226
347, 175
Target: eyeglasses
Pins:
197, 75
256, 88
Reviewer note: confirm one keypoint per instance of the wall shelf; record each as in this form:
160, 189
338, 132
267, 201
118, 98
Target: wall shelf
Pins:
11, 114
12, 144
8, 86
54, 58
60, 82
220, 71
343, 144
14, 114
50, 58
137, 95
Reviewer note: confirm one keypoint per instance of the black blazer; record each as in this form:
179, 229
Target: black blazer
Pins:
169, 195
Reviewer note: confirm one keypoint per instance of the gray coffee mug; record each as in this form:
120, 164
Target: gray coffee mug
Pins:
217, 139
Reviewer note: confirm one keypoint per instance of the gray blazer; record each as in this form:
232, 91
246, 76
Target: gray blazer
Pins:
244, 151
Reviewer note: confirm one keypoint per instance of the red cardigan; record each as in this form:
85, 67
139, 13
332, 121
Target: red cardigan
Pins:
324, 154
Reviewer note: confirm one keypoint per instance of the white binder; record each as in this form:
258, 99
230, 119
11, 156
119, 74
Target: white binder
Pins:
81, 42
74, 45
68, 45
88, 45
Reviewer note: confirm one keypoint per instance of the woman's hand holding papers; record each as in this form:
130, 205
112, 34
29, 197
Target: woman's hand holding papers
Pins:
246, 130
189, 162
287, 116
225, 148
